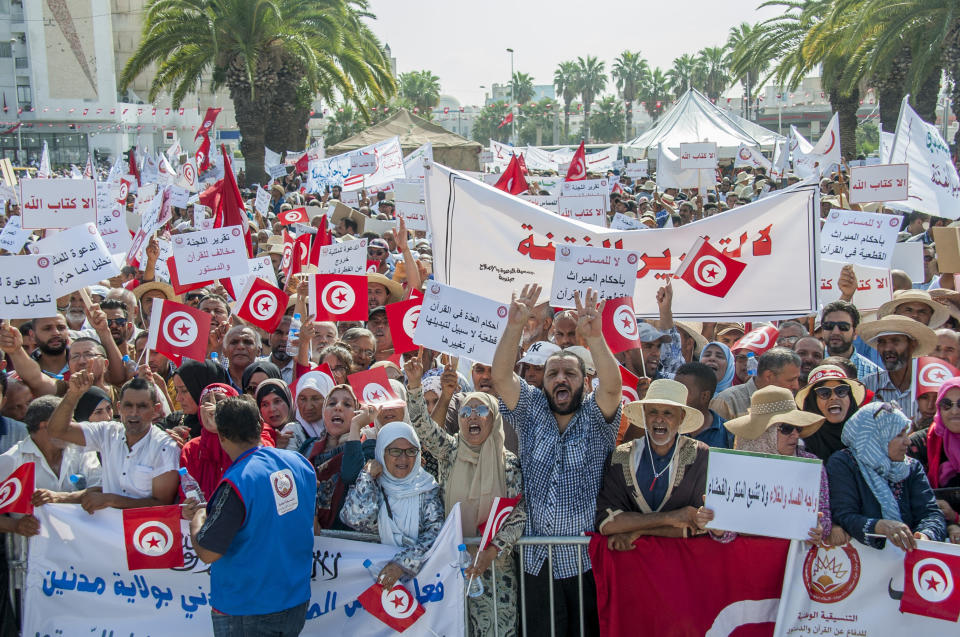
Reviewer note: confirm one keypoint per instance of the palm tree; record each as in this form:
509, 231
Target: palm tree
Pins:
681, 75
341, 125
521, 87
487, 125
273, 56
422, 89
607, 120
630, 71
535, 118
744, 70
591, 78
564, 79
655, 92
713, 63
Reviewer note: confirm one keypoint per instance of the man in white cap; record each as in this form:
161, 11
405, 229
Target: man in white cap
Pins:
898, 340
530, 366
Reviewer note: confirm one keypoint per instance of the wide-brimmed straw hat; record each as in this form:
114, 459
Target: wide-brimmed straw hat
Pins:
824, 373
693, 331
924, 337
773, 405
165, 288
940, 313
665, 392
394, 289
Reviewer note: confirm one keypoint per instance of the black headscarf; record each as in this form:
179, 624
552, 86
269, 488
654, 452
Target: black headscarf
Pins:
196, 375
88, 403
275, 386
268, 368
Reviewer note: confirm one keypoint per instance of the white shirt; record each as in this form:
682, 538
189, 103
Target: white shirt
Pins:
130, 472
75, 461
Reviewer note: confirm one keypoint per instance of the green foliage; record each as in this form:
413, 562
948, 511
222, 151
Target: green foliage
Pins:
422, 90
607, 120
485, 126
868, 138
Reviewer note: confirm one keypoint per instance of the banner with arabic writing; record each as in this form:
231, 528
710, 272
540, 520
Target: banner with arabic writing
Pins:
78, 583
336, 170
775, 237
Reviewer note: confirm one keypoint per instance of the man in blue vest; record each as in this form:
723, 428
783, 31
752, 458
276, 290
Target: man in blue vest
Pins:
264, 495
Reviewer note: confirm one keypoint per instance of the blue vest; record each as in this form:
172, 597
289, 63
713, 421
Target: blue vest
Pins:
267, 567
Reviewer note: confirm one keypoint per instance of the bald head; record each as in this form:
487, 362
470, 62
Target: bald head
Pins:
901, 280
948, 346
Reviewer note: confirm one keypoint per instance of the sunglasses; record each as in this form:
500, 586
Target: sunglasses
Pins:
947, 405
396, 453
376, 252
843, 326
787, 430
480, 410
119, 322
840, 391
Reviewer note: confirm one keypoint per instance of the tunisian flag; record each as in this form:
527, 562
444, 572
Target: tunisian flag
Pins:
506, 120
757, 341
512, 179
16, 492
403, 317
620, 329
261, 304
499, 512
929, 584
708, 270
689, 587
933, 372
152, 537
397, 608
178, 331
208, 121
578, 165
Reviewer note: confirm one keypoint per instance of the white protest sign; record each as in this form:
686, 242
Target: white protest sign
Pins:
80, 258
363, 164
210, 254
112, 224
550, 202
670, 174
749, 156
262, 203
459, 323
379, 226
336, 170
699, 155
177, 196
58, 203
590, 209
260, 267
415, 214
486, 157
874, 286
623, 222
350, 198
907, 256
277, 172
611, 273
777, 496
206, 223
165, 251
585, 187
879, 182
637, 169
865, 238
413, 164
347, 257
13, 236
271, 159
27, 289
408, 190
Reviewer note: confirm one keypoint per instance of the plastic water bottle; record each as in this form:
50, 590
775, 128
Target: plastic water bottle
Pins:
368, 564
292, 334
130, 366
215, 357
191, 488
476, 586
78, 481
751, 364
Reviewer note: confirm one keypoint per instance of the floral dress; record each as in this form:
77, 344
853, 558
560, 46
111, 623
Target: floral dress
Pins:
443, 447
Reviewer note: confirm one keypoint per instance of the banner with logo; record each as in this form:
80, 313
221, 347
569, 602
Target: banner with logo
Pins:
78, 583
335, 171
775, 238
859, 590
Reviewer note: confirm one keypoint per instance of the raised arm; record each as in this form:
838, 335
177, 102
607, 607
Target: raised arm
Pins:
11, 342
61, 423
437, 441
116, 371
506, 384
590, 322
665, 303
409, 263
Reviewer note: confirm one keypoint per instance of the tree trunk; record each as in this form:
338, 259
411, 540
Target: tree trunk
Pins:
891, 87
253, 112
925, 101
628, 115
586, 121
566, 121
846, 107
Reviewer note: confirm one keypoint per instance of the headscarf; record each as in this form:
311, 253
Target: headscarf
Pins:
867, 435
727, 379
268, 368
207, 459
400, 525
478, 475
766, 443
88, 403
940, 439
274, 386
196, 375
432, 384
322, 384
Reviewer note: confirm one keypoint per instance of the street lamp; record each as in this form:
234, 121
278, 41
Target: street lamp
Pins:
513, 121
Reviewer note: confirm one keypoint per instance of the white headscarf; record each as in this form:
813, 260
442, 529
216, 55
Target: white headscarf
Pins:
322, 384
403, 494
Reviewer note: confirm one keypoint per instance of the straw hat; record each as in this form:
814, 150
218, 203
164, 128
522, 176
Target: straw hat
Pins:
923, 336
583, 354
166, 288
824, 373
744, 177
950, 299
649, 186
665, 392
394, 289
693, 331
723, 328
668, 202
769, 406
940, 313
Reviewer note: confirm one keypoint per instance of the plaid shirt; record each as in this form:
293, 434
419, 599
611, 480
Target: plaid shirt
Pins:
885, 391
561, 473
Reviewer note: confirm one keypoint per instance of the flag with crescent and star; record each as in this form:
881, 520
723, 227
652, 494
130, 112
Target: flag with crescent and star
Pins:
153, 538
178, 331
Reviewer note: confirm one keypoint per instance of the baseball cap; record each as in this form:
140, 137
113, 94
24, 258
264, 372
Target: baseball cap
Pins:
539, 352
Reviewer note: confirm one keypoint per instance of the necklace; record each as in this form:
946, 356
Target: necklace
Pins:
653, 467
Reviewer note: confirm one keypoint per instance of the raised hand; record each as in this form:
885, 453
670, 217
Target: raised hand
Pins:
10, 339
522, 306
589, 321
413, 368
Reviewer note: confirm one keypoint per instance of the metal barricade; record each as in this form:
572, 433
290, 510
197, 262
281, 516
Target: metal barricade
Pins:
550, 542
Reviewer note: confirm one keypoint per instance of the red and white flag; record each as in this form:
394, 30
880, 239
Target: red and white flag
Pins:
933, 372
16, 492
506, 120
261, 304
338, 297
182, 288
512, 179
153, 538
208, 121
828, 146
372, 387
628, 386
620, 325
286, 261
397, 608
322, 238
178, 331
931, 584
203, 155
301, 254
578, 165
757, 341
292, 216
373, 266
523, 164
708, 270
403, 317
499, 512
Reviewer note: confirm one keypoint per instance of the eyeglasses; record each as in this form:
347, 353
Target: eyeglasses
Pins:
843, 326
480, 410
790, 340
119, 322
396, 453
947, 405
376, 252
787, 430
824, 393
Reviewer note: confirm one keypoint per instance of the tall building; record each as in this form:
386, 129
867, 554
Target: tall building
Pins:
60, 61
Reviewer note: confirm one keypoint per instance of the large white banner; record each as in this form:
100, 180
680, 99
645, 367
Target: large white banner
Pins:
598, 161
934, 183
78, 583
413, 163
747, 156
335, 171
775, 237
856, 590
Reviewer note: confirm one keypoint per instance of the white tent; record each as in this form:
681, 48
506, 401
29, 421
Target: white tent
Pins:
692, 119
767, 138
